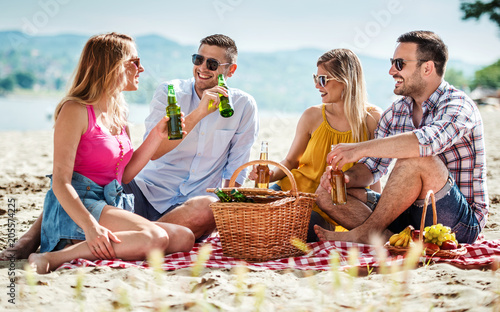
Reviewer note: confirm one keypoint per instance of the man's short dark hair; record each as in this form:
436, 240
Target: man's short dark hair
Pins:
223, 41
430, 48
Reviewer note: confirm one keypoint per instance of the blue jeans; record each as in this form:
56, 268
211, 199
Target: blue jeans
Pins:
452, 209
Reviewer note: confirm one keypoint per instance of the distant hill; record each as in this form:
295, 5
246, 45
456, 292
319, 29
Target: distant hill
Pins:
279, 81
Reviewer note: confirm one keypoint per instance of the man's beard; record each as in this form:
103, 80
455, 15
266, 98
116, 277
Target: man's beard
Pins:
415, 85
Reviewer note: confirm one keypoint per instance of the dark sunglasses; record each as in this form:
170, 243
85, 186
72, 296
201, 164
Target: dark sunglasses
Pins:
399, 63
321, 80
212, 64
136, 61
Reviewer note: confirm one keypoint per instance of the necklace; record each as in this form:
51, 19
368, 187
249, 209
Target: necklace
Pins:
121, 154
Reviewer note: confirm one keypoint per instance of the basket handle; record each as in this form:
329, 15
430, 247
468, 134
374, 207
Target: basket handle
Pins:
293, 191
430, 194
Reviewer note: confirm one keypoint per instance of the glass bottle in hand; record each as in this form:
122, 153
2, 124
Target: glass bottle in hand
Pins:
262, 180
225, 107
337, 181
174, 125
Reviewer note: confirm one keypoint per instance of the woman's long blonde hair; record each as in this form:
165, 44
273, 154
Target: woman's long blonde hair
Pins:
99, 73
345, 67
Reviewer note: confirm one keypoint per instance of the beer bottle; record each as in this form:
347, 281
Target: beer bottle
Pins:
262, 180
222, 196
225, 107
338, 186
174, 124
240, 197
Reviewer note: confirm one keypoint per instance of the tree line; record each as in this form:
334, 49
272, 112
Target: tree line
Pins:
23, 80
487, 77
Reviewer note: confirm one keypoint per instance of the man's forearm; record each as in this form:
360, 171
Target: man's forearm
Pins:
403, 145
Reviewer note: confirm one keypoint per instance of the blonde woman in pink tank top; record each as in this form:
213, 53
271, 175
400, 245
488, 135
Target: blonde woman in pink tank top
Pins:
85, 211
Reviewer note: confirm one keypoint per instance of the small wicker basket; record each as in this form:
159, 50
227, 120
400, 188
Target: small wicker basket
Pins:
262, 230
450, 254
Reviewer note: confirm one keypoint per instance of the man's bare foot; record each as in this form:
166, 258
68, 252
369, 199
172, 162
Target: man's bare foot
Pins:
39, 263
351, 236
355, 235
21, 249
323, 234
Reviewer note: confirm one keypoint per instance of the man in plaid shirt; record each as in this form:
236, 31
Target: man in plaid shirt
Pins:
436, 134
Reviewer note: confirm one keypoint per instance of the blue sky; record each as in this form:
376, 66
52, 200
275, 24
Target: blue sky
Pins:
367, 26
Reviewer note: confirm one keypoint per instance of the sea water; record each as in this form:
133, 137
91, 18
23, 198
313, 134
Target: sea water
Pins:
30, 113
24, 113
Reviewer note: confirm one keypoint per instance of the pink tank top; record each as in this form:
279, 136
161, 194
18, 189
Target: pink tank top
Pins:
101, 156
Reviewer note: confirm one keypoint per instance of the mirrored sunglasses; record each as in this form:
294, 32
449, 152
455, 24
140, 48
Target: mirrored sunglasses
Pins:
212, 64
321, 80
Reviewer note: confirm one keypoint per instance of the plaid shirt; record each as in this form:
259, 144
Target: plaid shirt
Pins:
452, 129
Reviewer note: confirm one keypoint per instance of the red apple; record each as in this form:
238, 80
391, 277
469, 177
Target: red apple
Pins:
449, 244
431, 246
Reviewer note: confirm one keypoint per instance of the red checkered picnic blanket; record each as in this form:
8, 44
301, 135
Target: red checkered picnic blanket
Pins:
479, 254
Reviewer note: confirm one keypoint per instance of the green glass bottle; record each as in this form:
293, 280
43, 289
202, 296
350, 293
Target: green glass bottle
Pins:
222, 196
240, 197
174, 124
225, 107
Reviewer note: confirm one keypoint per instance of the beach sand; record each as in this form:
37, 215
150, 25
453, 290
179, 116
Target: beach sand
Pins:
26, 158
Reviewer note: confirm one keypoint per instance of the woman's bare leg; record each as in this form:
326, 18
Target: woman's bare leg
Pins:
138, 238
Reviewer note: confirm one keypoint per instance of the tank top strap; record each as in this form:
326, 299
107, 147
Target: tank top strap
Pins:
92, 118
323, 107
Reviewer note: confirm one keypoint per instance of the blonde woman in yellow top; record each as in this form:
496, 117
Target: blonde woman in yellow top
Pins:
344, 116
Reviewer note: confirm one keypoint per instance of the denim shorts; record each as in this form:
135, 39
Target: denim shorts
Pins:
452, 208
58, 229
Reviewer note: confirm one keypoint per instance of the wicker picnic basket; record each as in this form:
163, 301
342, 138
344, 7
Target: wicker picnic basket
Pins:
450, 254
263, 230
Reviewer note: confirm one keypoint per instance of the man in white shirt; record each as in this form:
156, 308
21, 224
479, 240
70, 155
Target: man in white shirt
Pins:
172, 188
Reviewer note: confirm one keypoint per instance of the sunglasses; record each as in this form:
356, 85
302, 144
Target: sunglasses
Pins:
136, 61
212, 64
321, 80
399, 63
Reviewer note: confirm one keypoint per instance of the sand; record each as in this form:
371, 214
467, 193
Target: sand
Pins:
26, 157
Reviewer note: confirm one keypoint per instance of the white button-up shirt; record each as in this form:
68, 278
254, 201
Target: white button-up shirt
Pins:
212, 151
